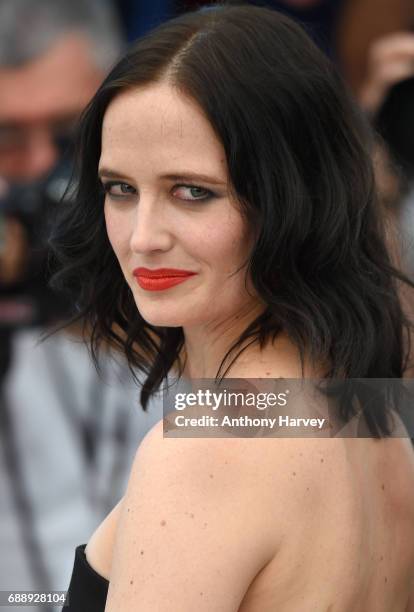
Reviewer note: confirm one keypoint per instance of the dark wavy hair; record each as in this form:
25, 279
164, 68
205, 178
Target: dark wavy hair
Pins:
299, 157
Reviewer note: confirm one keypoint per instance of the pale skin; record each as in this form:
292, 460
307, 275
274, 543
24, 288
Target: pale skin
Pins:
248, 525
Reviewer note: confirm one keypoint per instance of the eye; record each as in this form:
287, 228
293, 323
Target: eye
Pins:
117, 189
192, 193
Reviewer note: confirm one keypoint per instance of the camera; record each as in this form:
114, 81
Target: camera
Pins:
28, 300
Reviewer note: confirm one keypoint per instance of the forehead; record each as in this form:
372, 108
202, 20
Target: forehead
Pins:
158, 125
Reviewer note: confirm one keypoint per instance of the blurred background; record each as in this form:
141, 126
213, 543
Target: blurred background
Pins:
68, 436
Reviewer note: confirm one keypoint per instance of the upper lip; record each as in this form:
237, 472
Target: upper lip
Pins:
161, 272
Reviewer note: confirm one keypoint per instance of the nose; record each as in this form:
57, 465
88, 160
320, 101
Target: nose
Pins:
151, 231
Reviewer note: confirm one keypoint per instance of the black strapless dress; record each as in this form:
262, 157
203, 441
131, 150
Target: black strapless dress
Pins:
87, 589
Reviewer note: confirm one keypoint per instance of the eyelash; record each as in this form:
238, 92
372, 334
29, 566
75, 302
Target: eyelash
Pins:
106, 189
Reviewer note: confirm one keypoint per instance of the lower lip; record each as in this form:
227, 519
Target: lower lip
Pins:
160, 284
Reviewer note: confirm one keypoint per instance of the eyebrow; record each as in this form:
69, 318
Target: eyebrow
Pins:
182, 176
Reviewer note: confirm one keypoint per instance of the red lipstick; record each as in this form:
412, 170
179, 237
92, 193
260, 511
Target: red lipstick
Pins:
160, 279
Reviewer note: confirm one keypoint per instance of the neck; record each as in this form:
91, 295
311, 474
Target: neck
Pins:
205, 346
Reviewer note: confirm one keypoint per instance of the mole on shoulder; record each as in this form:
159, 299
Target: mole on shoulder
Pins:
211, 475
383, 487
163, 523
322, 459
131, 582
142, 552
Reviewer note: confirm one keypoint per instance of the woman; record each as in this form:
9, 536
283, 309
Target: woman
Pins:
226, 225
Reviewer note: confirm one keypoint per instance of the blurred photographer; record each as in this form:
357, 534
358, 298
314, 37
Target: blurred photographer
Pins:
53, 55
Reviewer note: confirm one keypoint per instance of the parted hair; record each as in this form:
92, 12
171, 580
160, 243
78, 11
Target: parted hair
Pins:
299, 159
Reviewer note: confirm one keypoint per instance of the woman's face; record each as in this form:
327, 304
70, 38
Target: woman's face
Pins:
180, 240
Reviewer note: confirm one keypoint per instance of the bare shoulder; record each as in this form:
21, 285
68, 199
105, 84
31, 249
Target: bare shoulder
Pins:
200, 519
272, 485
279, 480
246, 457
236, 462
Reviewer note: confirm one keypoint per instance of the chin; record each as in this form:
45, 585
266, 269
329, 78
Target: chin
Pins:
162, 316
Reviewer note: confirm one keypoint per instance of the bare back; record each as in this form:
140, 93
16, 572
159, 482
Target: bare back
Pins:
348, 545
356, 552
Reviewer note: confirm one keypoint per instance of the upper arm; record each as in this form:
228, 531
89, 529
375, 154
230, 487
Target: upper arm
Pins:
196, 526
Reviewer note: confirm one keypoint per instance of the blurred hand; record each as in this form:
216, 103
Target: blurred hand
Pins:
14, 251
391, 59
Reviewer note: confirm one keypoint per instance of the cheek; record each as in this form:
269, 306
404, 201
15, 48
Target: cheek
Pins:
116, 228
226, 246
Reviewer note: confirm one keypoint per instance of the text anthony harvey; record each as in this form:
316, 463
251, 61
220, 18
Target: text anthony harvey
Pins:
246, 421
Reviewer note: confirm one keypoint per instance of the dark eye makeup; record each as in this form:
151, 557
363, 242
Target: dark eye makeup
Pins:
119, 190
